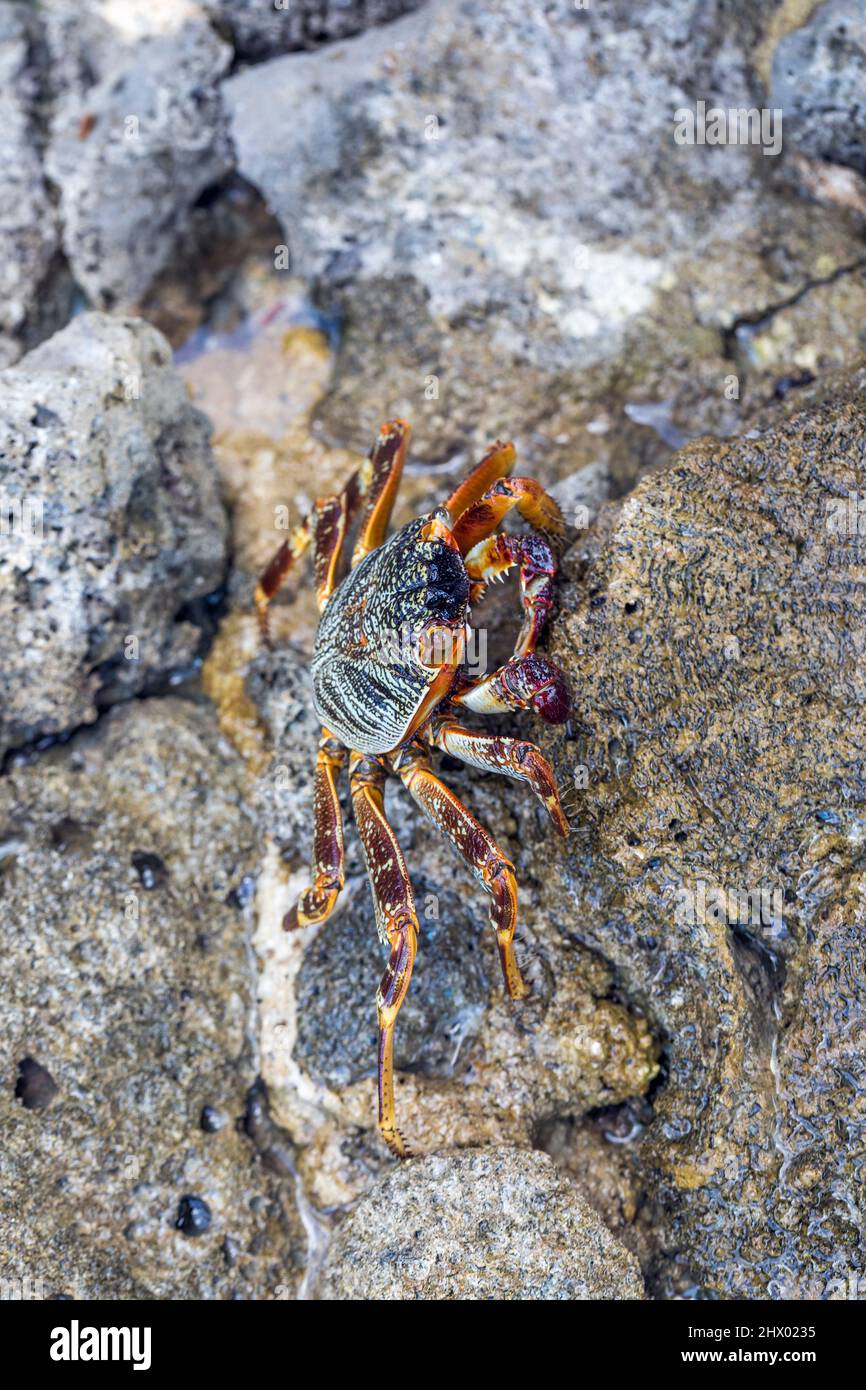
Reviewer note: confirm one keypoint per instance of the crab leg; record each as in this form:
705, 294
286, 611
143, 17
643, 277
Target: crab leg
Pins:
372, 487
510, 757
275, 572
378, 481
498, 461
396, 919
482, 518
479, 851
318, 901
326, 527
524, 682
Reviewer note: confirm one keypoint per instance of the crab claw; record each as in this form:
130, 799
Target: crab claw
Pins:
535, 682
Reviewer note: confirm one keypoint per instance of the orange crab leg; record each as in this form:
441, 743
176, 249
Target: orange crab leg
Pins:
498, 461
510, 757
318, 901
482, 518
479, 852
396, 919
379, 479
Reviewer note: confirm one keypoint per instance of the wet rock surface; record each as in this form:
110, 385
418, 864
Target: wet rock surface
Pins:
719, 718
129, 1009
502, 1224
114, 524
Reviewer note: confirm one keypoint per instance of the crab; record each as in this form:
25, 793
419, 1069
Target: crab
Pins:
390, 680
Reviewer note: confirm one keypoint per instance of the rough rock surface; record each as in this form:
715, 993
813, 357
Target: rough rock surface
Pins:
714, 629
500, 1224
112, 523
134, 140
500, 268
262, 30
129, 1024
475, 1068
819, 80
34, 294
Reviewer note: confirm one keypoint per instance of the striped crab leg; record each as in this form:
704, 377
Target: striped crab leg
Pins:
318, 901
477, 848
371, 491
396, 919
510, 757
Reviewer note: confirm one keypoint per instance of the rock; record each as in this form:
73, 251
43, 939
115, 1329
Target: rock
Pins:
138, 1006
474, 1068
581, 494
34, 291
134, 141
261, 31
497, 268
713, 631
113, 523
819, 79
498, 1224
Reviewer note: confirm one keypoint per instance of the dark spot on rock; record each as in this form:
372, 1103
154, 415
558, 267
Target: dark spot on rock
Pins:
193, 1216
150, 869
69, 834
43, 417
790, 383
35, 1087
243, 895
230, 1251
254, 1121
449, 764
211, 1120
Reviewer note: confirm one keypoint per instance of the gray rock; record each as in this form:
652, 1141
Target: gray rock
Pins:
134, 141
113, 522
496, 1223
262, 30
34, 292
713, 630
513, 240
819, 80
444, 1008
128, 1007
581, 494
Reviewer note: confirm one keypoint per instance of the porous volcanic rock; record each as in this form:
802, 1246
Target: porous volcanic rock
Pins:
135, 1160
499, 1224
112, 523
